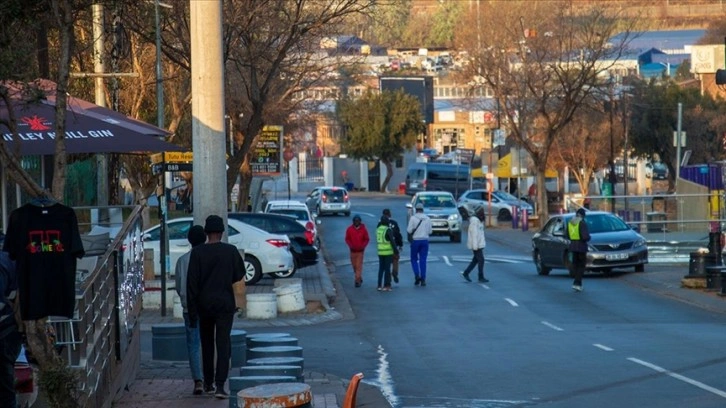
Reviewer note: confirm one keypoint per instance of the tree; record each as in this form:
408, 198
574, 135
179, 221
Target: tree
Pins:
654, 118
381, 126
541, 61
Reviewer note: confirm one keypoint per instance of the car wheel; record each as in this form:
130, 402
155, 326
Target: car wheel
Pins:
347, 213
640, 268
285, 274
504, 215
455, 237
541, 268
253, 270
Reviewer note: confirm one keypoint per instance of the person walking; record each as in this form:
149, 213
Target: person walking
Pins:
476, 242
398, 243
10, 340
357, 238
213, 268
386, 244
578, 234
419, 228
196, 237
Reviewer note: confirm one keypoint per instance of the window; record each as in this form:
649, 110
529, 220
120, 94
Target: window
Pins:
178, 230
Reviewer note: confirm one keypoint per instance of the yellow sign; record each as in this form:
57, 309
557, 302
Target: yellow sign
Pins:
172, 157
504, 169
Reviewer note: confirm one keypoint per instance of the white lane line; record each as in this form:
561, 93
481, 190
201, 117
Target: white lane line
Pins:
552, 326
385, 379
446, 259
677, 376
511, 302
602, 347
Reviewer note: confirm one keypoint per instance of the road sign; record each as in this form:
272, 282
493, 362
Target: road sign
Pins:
267, 152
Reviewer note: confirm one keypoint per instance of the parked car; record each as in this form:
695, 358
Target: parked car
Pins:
303, 244
440, 206
264, 253
613, 244
329, 200
296, 209
660, 171
428, 176
502, 203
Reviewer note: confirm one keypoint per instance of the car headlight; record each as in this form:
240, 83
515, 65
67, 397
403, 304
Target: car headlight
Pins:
453, 217
639, 243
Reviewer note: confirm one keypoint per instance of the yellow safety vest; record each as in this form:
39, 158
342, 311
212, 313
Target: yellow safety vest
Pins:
573, 231
384, 247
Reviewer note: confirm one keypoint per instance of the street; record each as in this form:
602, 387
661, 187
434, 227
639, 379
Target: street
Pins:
519, 340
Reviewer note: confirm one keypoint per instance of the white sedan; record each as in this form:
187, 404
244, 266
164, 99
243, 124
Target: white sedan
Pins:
264, 253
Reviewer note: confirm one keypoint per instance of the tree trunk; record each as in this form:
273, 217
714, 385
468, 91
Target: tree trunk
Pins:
389, 174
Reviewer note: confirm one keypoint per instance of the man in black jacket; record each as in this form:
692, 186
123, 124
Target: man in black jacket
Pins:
213, 268
393, 225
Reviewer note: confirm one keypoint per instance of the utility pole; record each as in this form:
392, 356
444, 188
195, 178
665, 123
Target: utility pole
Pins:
678, 142
208, 138
99, 67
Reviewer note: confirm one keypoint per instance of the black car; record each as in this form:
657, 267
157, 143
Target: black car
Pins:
302, 245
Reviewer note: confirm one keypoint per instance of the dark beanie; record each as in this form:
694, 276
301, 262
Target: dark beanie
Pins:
214, 223
196, 235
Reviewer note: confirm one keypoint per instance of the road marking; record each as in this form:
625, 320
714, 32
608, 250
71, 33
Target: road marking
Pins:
601, 347
677, 376
446, 259
552, 326
511, 302
385, 379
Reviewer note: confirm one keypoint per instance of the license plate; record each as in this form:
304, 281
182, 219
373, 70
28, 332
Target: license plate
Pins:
440, 224
336, 206
616, 257
413, 185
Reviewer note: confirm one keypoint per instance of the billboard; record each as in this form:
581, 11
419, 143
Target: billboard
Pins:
422, 87
266, 154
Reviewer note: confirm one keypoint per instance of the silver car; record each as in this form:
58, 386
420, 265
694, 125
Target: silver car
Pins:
502, 207
328, 200
440, 206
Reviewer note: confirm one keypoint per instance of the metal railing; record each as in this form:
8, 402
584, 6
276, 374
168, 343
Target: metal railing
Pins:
102, 341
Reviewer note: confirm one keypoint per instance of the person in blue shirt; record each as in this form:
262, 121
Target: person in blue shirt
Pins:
10, 340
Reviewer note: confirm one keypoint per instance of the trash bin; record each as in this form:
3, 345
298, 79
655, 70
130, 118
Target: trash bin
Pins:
655, 221
698, 263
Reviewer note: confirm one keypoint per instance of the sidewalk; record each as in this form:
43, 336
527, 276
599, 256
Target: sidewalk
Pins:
165, 383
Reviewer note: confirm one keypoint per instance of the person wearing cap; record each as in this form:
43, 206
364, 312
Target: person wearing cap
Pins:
196, 237
213, 268
578, 234
419, 229
398, 243
386, 245
357, 238
476, 241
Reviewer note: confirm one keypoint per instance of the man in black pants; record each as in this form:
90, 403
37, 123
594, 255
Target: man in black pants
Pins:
577, 232
213, 268
398, 238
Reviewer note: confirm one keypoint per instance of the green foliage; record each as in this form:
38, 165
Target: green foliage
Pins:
380, 125
58, 383
446, 19
654, 118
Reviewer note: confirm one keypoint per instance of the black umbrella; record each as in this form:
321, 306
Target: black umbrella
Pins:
89, 128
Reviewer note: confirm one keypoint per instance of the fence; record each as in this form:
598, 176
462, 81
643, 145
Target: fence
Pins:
310, 169
102, 341
660, 213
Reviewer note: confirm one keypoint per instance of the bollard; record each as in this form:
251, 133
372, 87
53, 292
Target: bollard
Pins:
515, 217
525, 219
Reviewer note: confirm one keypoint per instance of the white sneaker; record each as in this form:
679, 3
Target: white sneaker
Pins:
577, 288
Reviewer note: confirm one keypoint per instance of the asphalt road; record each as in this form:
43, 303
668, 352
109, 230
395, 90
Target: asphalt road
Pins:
519, 340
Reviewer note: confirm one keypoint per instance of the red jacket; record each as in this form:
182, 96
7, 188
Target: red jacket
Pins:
357, 238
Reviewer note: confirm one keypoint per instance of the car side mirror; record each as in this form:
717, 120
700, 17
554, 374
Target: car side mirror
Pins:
409, 206
146, 237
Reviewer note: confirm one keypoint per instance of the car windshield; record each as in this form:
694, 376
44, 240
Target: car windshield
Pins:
445, 201
605, 223
504, 196
299, 214
338, 193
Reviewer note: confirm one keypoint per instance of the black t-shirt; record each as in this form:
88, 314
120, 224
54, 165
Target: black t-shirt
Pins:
213, 269
45, 243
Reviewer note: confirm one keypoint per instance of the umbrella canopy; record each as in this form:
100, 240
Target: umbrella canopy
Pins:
89, 128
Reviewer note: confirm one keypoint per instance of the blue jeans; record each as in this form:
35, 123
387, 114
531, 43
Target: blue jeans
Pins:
419, 253
193, 346
9, 351
384, 270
